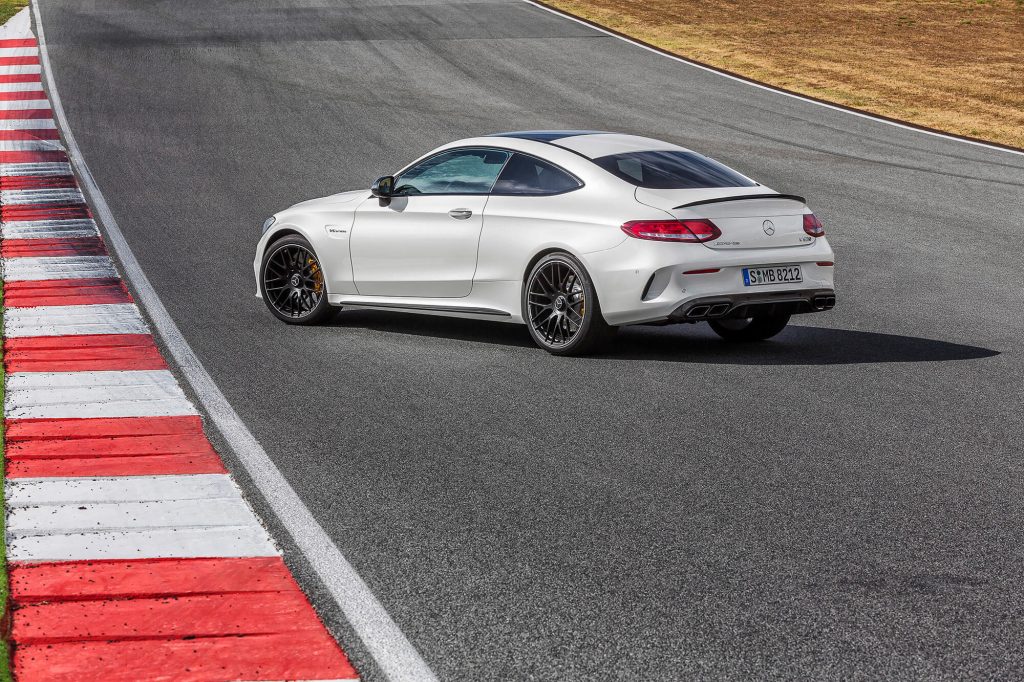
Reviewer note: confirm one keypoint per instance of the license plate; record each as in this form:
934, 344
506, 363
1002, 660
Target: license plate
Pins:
780, 274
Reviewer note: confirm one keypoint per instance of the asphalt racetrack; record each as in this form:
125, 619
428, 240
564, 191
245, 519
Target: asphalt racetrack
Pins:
844, 501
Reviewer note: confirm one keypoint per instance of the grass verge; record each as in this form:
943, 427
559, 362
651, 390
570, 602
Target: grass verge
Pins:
953, 65
8, 8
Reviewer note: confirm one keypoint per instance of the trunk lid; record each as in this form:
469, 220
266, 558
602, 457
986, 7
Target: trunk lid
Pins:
749, 217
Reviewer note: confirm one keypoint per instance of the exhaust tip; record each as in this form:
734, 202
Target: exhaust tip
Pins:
718, 309
698, 311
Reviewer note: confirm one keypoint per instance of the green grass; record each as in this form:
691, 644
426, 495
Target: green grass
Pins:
8, 8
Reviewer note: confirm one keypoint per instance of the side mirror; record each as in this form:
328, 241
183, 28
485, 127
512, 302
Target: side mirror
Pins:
382, 188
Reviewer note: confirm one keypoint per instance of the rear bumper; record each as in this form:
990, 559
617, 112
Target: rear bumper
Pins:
755, 304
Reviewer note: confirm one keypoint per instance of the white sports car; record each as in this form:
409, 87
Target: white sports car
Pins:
573, 233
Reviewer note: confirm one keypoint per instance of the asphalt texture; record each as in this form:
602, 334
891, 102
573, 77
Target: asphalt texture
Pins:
845, 501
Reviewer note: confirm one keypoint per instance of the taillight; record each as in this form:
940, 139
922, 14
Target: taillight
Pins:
673, 230
813, 226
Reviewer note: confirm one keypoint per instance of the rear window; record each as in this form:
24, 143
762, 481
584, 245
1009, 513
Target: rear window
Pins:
671, 170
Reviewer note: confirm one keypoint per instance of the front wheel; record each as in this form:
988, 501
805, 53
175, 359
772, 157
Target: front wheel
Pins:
292, 282
750, 328
560, 307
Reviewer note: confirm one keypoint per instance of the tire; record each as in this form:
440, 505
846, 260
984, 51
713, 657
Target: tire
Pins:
751, 328
292, 282
561, 309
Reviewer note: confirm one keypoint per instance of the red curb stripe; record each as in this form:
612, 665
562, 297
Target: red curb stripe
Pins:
29, 134
58, 581
43, 211
19, 42
19, 61
180, 618
20, 78
52, 247
47, 292
95, 353
26, 113
36, 181
33, 157
20, 95
288, 656
127, 446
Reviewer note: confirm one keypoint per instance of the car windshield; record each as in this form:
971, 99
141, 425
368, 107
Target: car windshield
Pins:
671, 170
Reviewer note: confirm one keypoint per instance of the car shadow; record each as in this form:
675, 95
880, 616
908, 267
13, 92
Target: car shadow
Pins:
797, 345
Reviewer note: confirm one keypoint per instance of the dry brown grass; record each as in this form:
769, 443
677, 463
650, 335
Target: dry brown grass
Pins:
955, 65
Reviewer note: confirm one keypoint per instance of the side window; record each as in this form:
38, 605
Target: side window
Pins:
527, 175
460, 171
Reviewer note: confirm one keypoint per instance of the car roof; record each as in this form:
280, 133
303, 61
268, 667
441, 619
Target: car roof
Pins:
593, 144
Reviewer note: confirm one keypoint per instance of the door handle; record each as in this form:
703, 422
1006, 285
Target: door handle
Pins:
460, 213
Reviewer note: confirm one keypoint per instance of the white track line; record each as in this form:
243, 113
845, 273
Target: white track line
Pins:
74, 320
392, 651
57, 267
67, 395
762, 86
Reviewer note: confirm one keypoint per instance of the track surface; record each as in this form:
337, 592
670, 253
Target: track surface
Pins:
846, 500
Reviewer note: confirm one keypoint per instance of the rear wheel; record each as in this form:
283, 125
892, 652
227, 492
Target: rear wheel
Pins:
561, 309
292, 282
750, 328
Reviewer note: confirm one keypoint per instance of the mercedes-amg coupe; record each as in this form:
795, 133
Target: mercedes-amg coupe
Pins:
573, 233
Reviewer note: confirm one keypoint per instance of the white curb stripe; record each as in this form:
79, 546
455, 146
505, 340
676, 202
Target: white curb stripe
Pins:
19, 51
67, 519
26, 124
66, 395
57, 267
48, 229
33, 145
74, 320
24, 492
246, 541
15, 104
71, 195
20, 68
31, 86
42, 168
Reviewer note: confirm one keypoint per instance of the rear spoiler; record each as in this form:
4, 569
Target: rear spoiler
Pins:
741, 197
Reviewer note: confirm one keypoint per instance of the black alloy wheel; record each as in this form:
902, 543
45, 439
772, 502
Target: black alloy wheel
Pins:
560, 306
292, 282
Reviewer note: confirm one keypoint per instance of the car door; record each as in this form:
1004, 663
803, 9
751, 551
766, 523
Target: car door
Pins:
423, 241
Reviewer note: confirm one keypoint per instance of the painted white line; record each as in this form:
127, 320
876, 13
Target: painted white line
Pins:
17, 104
27, 124
74, 320
769, 88
67, 395
57, 267
27, 492
32, 145
43, 168
242, 541
21, 87
394, 653
18, 69
48, 229
67, 519
11, 197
